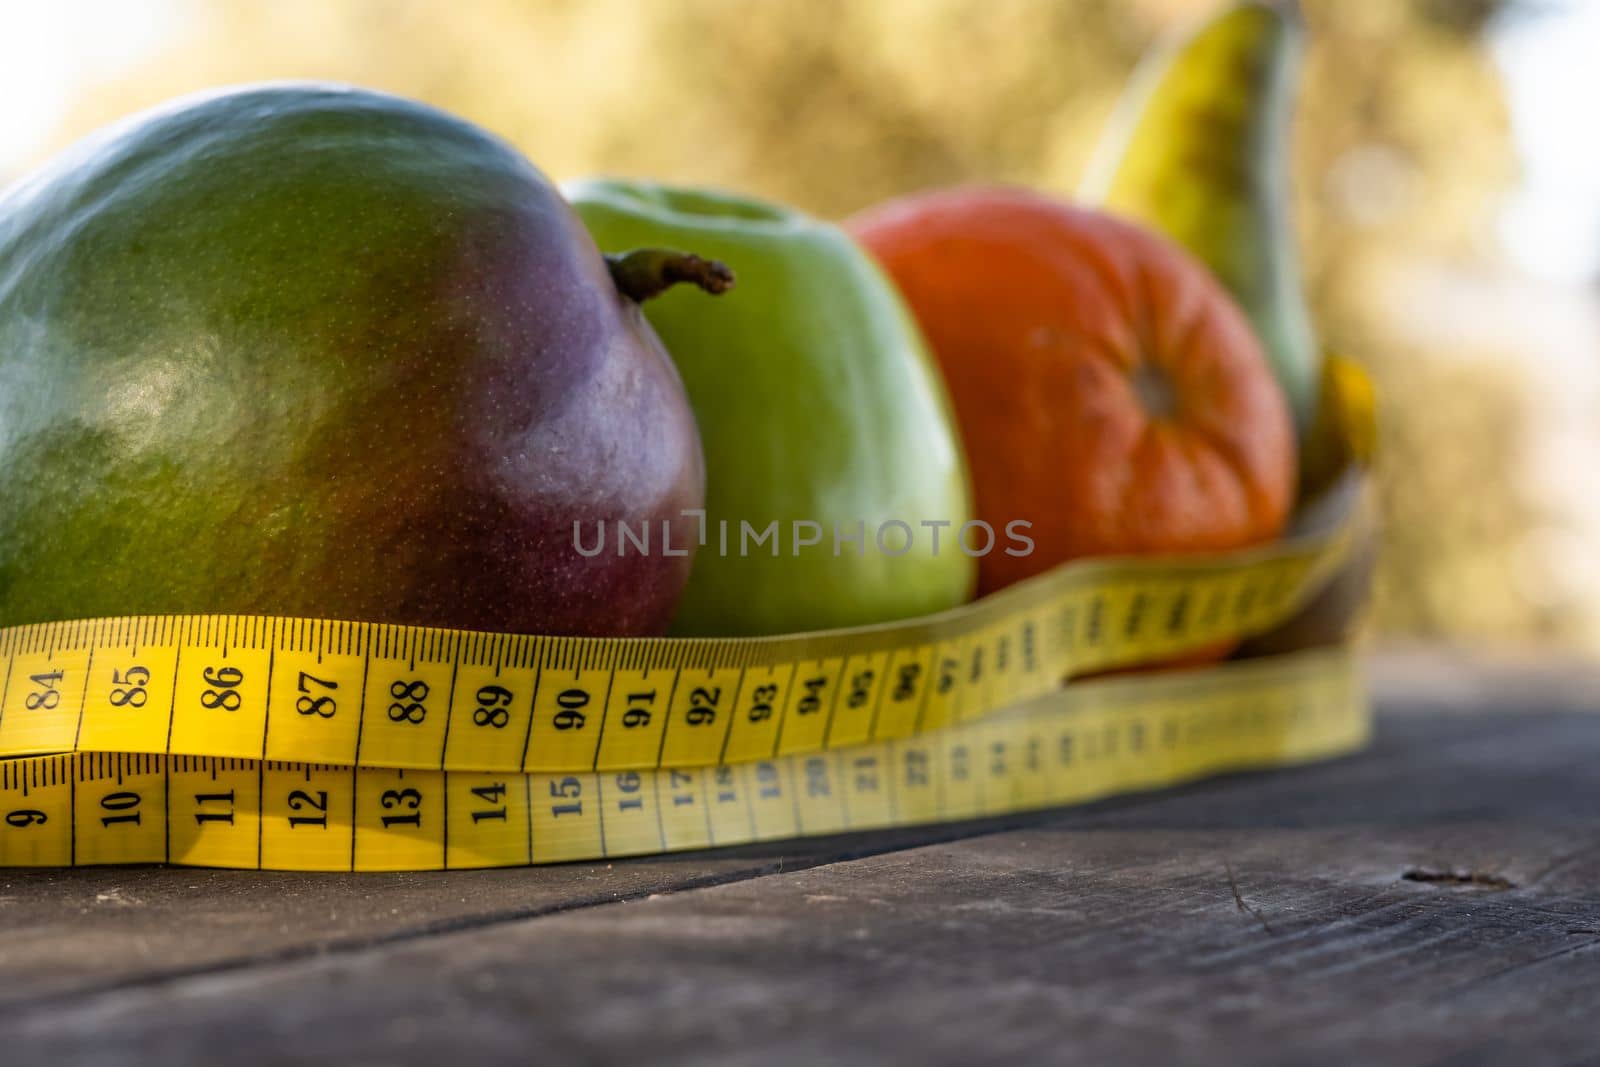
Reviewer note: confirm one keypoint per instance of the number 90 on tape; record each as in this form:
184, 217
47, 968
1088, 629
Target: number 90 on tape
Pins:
1086, 741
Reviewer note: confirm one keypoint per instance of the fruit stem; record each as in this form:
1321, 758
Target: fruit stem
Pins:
647, 272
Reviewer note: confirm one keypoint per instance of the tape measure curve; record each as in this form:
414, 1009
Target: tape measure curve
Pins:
305, 720
1081, 743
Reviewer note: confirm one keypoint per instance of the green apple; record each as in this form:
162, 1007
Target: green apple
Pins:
820, 410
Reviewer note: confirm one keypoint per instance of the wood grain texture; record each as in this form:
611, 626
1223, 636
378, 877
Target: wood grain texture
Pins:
1433, 901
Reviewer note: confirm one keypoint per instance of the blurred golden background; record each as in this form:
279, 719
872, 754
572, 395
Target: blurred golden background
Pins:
1448, 206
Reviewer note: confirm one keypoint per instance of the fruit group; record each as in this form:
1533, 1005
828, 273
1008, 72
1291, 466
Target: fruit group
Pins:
817, 403
1108, 390
304, 350
1200, 152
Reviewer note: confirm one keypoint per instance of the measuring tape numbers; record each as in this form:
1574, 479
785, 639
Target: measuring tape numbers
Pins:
248, 741
1080, 743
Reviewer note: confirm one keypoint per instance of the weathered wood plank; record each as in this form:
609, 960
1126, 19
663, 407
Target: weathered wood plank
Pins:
69, 932
1432, 901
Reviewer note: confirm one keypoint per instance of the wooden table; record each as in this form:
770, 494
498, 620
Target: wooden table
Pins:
1435, 900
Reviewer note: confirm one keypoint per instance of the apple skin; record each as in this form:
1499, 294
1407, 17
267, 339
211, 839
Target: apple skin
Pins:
816, 399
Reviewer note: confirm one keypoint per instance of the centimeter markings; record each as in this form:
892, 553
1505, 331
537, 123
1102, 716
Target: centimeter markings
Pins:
1088, 741
413, 698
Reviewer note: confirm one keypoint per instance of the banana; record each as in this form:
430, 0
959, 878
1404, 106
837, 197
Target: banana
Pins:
1344, 432
1334, 477
1199, 149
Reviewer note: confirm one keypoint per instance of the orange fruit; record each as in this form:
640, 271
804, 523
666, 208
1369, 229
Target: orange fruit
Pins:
1108, 389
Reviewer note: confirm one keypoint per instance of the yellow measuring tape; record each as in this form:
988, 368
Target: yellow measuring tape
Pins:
243, 741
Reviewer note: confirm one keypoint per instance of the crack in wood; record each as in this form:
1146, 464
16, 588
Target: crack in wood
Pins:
1233, 884
1463, 879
